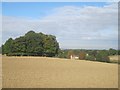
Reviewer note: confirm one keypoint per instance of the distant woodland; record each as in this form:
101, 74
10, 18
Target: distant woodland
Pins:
91, 55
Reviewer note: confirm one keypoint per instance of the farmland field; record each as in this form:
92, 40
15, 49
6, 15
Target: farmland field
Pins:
44, 72
114, 58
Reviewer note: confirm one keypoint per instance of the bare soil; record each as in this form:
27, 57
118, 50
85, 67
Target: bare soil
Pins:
44, 72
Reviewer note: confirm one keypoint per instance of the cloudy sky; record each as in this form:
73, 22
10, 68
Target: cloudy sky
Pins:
80, 25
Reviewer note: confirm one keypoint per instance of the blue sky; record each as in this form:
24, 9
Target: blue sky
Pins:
37, 9
77, 25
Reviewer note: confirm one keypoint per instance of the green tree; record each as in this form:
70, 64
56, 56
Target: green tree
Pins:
37, 44
102, 56
1, 50
118, 52
34, 43
8, 46
112, 51
19, 45
90, 57
50, 45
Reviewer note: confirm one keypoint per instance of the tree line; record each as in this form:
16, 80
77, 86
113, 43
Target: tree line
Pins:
93, 55
31, 44
39, 44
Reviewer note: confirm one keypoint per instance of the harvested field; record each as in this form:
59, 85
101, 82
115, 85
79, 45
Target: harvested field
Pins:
43, 72
114, 58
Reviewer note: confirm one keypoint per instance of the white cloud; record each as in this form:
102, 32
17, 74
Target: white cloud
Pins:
74, 27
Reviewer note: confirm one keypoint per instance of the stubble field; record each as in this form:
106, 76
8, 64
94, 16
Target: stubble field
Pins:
43, 72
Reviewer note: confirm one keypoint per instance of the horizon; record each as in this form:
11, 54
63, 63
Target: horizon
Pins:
77, 25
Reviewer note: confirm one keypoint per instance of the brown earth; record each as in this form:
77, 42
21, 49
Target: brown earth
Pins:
43, 72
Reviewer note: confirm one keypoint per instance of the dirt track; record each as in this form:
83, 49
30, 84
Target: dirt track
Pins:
42, 72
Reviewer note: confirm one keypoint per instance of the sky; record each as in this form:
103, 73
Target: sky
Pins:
76, 25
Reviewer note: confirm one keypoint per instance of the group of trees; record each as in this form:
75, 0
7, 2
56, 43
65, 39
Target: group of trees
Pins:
101, 55
39, 44
31, 44
93, 55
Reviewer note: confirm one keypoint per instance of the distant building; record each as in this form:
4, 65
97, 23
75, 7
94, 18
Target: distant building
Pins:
87, 54
74, 57
78, 56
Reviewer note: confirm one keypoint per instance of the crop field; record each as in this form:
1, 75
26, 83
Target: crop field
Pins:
114, 58
44, 72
